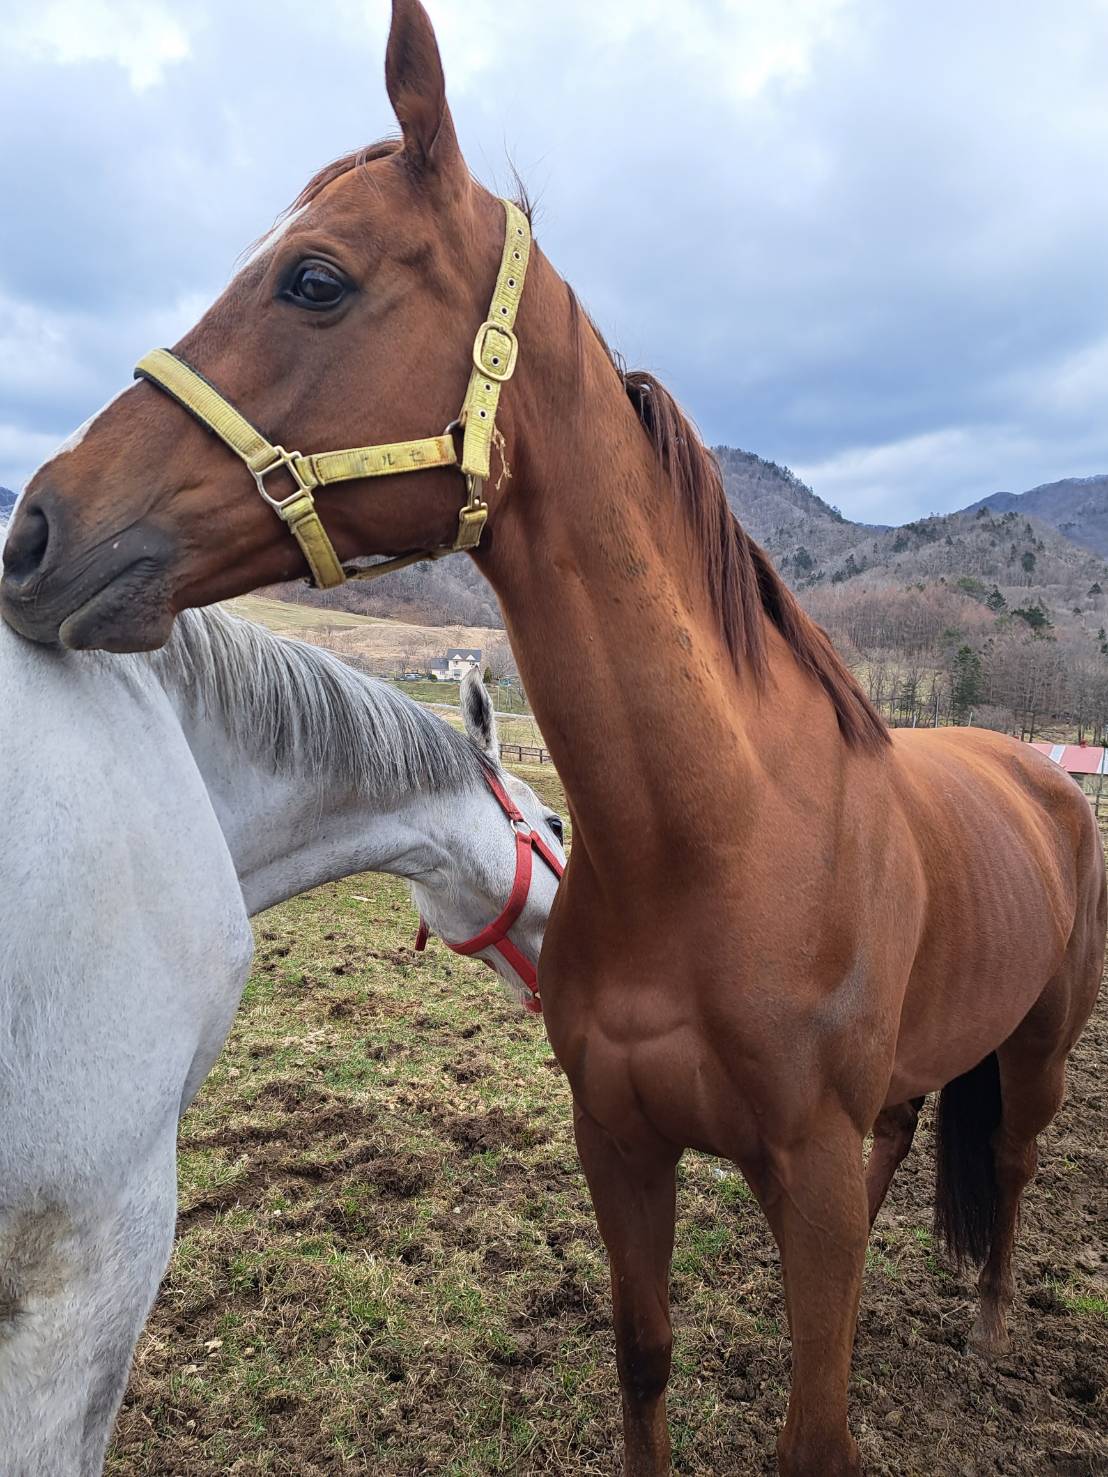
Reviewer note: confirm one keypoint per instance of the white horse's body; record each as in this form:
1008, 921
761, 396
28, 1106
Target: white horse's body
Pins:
135, 803
124, 946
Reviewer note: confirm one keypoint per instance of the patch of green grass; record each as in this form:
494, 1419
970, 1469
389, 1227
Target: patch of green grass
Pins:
1078, 1300
1087, 1302
877, 1261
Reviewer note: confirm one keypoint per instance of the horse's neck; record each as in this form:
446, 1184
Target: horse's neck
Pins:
615, 630
288, 834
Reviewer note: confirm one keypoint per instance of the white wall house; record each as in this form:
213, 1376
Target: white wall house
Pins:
456, 663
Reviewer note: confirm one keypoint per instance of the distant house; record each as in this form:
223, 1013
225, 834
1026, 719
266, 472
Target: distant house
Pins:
456, 663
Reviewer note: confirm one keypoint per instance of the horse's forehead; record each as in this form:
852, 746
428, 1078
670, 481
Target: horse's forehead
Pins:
377, 215
377, 191
520, 789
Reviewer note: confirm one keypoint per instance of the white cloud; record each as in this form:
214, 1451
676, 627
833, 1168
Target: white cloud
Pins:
733, 47
141, 36
1071, 388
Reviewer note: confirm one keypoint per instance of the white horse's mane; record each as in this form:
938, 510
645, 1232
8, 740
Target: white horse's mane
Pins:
308, 713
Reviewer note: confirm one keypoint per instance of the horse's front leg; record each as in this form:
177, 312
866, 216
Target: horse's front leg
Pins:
814, 1196
634, 1191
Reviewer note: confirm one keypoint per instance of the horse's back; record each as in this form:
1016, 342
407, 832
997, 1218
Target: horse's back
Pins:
987, 790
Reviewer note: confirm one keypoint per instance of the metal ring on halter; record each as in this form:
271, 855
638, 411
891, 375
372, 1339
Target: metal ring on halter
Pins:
288, 460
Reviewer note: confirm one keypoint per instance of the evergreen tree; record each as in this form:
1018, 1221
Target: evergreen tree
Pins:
967, 685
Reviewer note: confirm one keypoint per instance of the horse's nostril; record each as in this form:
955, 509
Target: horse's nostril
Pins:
26, 544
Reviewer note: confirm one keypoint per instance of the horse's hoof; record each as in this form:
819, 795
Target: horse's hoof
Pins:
988, 1340
822, 1463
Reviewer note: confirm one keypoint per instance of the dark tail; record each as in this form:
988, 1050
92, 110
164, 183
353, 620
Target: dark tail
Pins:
965, 1174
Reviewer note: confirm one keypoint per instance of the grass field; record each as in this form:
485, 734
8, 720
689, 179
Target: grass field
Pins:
388, 1263
285, 617
386, 645
504, 699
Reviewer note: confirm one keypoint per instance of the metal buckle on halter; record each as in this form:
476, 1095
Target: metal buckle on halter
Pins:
472, 516
496, 366
288, 460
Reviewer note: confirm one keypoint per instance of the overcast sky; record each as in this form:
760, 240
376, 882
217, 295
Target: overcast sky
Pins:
864, 238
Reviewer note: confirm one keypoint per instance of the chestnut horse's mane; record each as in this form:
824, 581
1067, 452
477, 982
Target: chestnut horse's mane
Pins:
746, 584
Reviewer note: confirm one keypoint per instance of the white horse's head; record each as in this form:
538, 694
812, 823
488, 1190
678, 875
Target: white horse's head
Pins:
317, 771
493, 895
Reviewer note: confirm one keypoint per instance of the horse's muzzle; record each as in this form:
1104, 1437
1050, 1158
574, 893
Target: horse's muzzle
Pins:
112, 595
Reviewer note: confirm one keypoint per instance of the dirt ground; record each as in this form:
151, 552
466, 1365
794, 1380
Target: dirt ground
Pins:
387, 1260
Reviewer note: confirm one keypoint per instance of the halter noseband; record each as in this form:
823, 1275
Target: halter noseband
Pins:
495, 936
495, 350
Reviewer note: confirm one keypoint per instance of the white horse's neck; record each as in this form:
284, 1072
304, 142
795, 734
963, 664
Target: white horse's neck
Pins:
315, 771
287, 835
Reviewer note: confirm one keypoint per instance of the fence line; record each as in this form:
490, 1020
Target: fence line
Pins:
525, 753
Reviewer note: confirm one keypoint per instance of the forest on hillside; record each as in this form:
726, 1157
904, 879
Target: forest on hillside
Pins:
965, 651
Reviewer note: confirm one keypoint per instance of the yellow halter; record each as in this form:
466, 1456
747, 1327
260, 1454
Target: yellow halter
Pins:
495, 350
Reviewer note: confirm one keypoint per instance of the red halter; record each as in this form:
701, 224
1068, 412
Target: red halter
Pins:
496, 935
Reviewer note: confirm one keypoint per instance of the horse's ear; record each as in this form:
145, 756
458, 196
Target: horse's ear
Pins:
417, 91
477, 714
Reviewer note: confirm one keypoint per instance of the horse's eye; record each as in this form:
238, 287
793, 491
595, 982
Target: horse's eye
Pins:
315, 285
555, 824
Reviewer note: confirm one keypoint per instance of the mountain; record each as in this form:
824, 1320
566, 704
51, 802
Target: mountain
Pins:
1005, 549
778, 510
812, 543
450, 592
1031, 557
7, 503
1076, 506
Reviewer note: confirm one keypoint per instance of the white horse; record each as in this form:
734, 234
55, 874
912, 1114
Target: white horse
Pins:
150, 804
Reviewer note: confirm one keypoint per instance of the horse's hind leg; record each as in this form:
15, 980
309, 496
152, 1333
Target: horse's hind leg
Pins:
1032, 1065
1031, 1094
892, 1138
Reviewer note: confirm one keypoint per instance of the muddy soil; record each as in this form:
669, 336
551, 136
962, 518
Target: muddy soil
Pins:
520, 1219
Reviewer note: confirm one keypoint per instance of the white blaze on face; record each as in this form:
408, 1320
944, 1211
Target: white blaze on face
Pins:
271, 238
72, 442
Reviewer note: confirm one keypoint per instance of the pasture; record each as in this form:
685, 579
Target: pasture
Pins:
383, 645
289, 619
388, 1262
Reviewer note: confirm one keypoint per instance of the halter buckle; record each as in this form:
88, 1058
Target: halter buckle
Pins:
473, 515
495, 357
289, 460
471, 522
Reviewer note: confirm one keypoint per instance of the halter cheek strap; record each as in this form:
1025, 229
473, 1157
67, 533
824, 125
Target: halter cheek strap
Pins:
495, 936
495, 351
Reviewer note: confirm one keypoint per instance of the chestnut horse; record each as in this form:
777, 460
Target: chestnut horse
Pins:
781, 928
